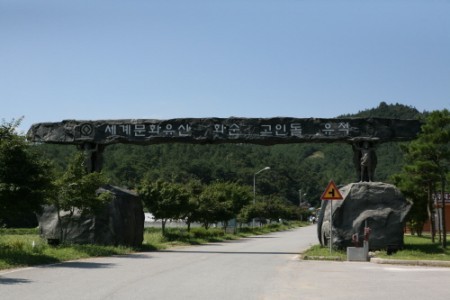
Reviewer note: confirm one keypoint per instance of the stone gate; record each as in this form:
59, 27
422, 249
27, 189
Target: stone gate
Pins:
361, 133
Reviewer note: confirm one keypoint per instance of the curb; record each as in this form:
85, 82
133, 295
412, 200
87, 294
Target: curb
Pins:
323, 258
428, 263
376, 260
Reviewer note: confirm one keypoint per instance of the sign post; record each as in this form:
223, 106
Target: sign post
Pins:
331, 193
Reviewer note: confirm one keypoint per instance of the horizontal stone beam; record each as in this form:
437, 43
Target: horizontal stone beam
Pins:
264, 131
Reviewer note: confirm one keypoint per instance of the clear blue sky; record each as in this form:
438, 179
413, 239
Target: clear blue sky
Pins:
162, 59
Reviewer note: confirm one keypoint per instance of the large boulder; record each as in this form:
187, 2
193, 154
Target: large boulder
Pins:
121, 222
379, 206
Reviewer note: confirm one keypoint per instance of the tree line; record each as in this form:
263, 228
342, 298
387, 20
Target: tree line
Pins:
213, 203
426, 173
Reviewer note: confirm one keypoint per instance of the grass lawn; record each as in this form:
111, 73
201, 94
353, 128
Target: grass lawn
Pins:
24, 247
318, 252
416, 248
420, 248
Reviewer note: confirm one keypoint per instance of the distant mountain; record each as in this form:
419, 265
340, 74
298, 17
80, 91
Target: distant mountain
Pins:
384, 110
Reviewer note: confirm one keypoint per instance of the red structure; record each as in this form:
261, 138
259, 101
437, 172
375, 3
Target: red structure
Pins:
438, 213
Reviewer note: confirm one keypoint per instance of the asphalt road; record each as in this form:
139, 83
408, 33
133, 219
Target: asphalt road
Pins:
263, 267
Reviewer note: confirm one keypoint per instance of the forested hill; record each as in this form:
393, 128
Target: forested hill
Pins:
293, 168
384, 110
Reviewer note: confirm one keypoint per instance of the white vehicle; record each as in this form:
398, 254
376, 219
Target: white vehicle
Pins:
149, 217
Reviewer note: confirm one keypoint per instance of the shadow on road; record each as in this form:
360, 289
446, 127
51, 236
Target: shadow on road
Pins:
136, 255
229, 252
262, 237
4, 280
80, 265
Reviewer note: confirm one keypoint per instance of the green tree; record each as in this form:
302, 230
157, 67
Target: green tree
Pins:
165, 200
221, 202
436, 138
272, 208
25, 179
76, 188
414, 187
76, 191
57, 154
428, 159
194, 189
422, 172
255, 212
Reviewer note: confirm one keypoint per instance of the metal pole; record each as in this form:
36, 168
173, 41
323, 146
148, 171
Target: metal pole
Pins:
254, 188
331, 224
254, 196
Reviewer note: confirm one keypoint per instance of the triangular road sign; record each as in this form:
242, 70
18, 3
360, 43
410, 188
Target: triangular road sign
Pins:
331, 192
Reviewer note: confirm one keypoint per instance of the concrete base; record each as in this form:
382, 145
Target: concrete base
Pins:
358, 253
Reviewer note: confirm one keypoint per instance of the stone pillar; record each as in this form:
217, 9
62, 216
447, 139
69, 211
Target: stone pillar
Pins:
94, 156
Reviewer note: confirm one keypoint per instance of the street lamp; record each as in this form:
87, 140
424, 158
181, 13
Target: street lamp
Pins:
254, 188
300, 197
300, 201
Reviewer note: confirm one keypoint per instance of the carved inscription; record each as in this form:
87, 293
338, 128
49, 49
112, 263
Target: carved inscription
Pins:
137, 131
234, 130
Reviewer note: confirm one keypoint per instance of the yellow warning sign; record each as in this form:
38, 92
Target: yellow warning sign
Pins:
331, 192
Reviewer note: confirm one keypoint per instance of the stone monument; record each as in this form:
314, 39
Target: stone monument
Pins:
121, 222
381, 207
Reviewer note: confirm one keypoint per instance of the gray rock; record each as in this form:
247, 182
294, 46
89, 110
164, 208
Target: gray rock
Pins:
121, 222
379, 204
